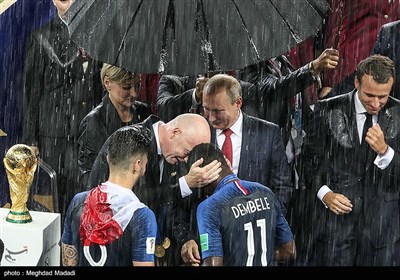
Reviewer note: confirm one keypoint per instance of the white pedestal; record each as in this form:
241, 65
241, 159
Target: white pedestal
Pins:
32, 244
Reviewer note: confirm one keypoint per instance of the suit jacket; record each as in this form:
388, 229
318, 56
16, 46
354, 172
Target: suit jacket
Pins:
341, 166
95, 128
159, 197
58, 94
175, 97
263, 158
388, 44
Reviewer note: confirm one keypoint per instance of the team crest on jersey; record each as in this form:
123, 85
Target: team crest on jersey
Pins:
204, 241
150, 245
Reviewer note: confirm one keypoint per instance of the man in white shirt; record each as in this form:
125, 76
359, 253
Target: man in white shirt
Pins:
355, 189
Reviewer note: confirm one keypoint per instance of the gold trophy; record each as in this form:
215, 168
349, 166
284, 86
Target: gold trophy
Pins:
20, 163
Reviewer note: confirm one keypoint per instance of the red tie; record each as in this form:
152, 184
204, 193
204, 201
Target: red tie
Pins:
227, 146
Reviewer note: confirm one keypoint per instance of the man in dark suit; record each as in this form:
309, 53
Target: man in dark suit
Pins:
283, 101
61, 86
167, 179
388, 44
178, 95
355, 140
258, 153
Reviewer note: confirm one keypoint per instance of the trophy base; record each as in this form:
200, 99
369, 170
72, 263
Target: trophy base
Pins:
19, 217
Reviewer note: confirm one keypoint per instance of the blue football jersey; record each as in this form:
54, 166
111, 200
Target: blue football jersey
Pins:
136, 243
241, 222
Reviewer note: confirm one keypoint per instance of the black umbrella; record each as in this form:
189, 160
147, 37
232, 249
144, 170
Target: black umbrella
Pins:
191, 36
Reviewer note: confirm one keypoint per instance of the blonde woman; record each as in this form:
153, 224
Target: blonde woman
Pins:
118, 108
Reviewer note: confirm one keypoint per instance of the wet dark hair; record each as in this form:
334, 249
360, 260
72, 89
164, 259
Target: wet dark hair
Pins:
208, 152
127, 142
380, 67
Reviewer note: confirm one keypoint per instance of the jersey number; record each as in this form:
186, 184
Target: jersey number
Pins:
250, 242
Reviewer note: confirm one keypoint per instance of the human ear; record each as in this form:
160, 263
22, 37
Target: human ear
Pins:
239, 102
356, 83
175, 132
136, 166
106, 84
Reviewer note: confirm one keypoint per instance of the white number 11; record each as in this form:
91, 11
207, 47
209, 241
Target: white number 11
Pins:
250, 242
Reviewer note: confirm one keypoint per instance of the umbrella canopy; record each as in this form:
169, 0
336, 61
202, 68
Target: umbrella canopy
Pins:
191, 36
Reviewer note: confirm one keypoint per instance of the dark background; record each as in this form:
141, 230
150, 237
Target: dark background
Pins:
15, 25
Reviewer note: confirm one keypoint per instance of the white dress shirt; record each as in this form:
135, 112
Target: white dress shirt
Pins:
159, 152
236, 139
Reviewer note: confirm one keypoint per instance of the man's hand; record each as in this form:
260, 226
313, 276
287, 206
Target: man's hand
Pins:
190, 253
337, 203
199, 177
286, 251
327, 60
324, 92
376, 139
200, 82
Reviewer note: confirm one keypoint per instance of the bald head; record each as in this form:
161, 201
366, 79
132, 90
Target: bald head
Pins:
194, 126
180, 135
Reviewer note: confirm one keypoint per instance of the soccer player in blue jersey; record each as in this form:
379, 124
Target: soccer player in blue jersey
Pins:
109, 226
240, 223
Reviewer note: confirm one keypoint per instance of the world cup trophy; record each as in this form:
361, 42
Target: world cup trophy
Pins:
20, 163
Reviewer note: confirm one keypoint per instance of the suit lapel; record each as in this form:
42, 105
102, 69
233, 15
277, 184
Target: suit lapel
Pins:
213, 136
342, 122
170, 174
350, 119
384, 120
246, 142
153, 163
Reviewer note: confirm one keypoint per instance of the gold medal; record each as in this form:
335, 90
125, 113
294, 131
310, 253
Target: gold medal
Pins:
166, 243
159, 251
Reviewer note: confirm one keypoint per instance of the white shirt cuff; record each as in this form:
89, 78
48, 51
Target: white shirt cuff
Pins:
185, 190
322, 192
383, 161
